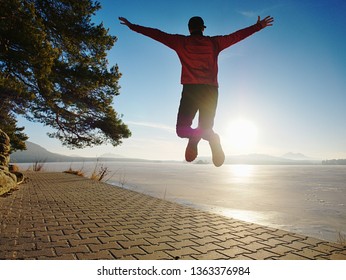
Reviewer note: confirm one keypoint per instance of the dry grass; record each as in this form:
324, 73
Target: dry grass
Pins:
75, 172
99, 173
38, 165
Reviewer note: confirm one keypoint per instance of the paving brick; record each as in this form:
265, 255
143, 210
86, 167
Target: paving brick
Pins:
62, 257
296, 245
72, 250
150, 249
159, 240
243, 257
99, 255
157, 255
290, 256
205, 240
88, 241
207, 248
248, 239
211, 255
182, 244
225, 236
326, 248
272, 242
234, 251
160, 234
229, 243
186, 251
133, 243
187, 237
220, 230
310, 253
120, 253
244, 234
337, 256
291, 238
262, 254
280, 250
312, 241
254, 246
37, 254
203, 234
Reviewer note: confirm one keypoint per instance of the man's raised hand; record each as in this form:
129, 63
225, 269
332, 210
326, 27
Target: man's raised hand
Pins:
267, 21
125, 21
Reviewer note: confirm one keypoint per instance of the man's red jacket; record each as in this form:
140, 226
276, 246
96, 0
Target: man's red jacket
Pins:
198, 54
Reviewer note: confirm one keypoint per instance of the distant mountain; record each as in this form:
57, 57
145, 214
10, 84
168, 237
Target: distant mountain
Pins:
110, 155
36, 153
261, 159
296, 156
334, 162
257, 159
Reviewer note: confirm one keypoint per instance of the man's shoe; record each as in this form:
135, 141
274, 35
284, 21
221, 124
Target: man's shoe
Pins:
216, 149
191, 151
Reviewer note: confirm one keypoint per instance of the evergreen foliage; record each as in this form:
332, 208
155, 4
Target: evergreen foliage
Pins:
54, 70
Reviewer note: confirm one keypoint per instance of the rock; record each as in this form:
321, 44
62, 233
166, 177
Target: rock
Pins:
4, 160
8, 180
13, 168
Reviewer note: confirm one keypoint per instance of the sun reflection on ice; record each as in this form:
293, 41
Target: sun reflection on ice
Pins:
241, 171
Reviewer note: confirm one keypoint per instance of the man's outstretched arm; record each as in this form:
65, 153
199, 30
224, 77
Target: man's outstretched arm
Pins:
233, 38
156, 34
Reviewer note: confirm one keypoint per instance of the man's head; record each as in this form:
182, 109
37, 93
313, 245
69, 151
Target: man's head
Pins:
196, 24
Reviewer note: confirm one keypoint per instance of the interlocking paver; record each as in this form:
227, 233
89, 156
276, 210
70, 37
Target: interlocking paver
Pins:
310, 253
234, 251
254, 246
211, 255
185, 251
207, 248
158, 255
133, 243
338, 256
62, 216
182, 244
263, 254
297, 245
291, 256
99, 255
280, 250
151, 249
229, 243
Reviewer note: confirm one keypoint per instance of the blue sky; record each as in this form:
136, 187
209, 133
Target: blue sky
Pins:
281, 90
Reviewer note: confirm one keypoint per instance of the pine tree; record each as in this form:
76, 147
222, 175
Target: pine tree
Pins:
54, 70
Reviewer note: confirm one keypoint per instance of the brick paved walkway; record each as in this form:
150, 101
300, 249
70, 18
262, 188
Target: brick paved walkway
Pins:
62, 216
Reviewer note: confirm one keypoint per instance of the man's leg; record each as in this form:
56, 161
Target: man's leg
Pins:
187, 111
207, 110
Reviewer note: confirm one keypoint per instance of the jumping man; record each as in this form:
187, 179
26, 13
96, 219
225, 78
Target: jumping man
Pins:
198, 55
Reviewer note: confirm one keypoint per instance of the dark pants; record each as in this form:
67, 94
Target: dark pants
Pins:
201, 99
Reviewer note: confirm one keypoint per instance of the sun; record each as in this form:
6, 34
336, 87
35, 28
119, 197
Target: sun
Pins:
241, 136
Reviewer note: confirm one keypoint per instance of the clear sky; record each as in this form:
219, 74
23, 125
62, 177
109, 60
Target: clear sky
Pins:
281, 90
